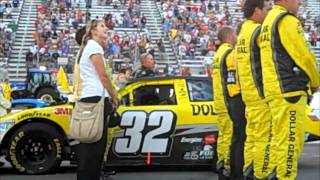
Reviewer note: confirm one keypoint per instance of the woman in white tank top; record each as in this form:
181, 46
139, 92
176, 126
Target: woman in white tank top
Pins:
94, 83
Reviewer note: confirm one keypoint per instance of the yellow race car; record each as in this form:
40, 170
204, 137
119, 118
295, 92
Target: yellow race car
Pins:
165, 121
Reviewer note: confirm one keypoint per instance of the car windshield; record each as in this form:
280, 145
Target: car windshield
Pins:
40, 78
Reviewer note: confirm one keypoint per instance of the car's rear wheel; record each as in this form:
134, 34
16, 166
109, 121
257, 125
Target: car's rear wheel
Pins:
48, 95
35, 148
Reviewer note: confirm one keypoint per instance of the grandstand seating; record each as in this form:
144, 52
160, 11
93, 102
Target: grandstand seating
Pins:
4, 61
26, 14
23, 40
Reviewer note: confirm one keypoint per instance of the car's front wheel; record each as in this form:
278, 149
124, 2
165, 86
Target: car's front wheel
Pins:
35, 148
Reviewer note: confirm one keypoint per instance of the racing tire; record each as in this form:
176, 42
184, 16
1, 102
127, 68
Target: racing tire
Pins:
36, 148
48, 95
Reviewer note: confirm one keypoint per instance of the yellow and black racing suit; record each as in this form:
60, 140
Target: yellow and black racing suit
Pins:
258, 128
236, 110
288, 69
220, 108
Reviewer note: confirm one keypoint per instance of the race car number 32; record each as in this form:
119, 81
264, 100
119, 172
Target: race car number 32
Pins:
145, 132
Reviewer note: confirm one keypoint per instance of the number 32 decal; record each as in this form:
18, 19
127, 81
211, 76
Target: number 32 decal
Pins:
145, 133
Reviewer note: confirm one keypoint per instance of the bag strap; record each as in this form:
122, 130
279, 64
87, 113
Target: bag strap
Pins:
77, 63
76, 85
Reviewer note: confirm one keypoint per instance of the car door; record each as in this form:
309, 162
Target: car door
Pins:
149, 115
158, 119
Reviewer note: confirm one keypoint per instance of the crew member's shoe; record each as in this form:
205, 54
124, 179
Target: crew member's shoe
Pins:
104, 176
108, 171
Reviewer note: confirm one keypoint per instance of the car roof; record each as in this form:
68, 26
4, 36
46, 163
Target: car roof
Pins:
161, 78
34, 70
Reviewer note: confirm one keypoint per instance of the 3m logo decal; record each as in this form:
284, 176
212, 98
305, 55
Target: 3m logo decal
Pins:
231, 79
62, 111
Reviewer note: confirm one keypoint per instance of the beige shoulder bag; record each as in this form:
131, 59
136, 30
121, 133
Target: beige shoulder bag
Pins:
86, 124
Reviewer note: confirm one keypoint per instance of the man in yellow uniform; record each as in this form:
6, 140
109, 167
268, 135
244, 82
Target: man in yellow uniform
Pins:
257, 161
6, 89
288, 71
5, 106
237, 113
227, 37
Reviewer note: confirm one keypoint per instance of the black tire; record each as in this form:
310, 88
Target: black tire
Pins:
47, 94
18, 94
15, 95
36, 148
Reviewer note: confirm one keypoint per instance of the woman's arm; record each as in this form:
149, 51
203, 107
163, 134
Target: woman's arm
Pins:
98, 63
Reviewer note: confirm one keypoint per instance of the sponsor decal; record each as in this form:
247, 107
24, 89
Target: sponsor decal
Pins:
206, 153
231, 78
182, 92
291, 146
33, 114
265, 34
191, 140
193, 155
62, 111
145, 133
216, 66
186, 130
4, 126
241, 46
266, 159
58, 147
12, 152
203, 109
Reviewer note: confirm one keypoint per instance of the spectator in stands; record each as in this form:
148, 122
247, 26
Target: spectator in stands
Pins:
162, 50
108, 2
2, 11
150, 48
5, 106
15, 3
6, 88
185, 72
121, 79
13, 26
8, 11
313, 38
143, 21
29, 59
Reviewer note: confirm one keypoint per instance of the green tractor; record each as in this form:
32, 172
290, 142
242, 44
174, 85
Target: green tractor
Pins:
40, 84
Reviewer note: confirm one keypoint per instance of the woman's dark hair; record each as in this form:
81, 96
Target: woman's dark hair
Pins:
79, 35
85, 34
250, 6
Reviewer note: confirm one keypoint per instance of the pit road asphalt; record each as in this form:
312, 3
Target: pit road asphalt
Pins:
309, 169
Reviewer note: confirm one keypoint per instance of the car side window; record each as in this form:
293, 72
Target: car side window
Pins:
125, 100
154, 95
200, 90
